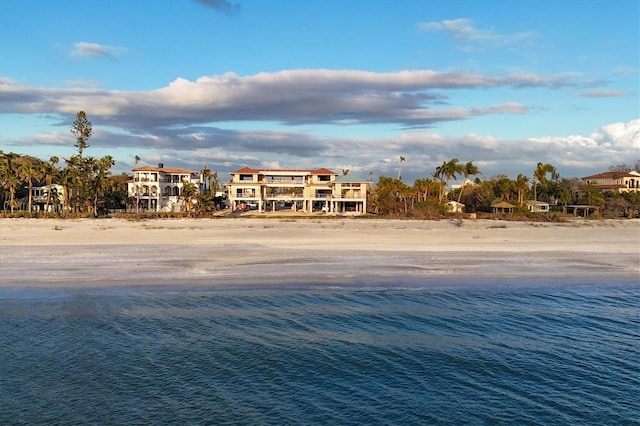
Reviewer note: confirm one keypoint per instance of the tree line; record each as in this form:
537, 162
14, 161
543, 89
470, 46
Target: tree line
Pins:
89, 187
87, 181
427, 197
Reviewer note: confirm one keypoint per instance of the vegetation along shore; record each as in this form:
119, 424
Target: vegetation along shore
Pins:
84, 186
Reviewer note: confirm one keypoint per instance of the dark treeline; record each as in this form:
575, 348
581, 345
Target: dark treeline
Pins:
84, 186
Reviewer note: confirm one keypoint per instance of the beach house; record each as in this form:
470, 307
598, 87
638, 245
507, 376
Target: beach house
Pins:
305, 190
160, 188
537, 206
46, 198
614, 181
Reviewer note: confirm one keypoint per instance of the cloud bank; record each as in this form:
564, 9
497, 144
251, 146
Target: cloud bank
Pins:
277, 116
292, 97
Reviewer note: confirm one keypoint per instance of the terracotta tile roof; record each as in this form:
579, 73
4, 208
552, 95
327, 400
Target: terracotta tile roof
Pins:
171, 170
324, 171
248, 170
608, 186
610, 175
245, 170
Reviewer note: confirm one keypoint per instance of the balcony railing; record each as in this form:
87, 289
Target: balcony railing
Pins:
285, 182
275, 197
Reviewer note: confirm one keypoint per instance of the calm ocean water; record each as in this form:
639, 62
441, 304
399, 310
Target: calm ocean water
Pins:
523, 355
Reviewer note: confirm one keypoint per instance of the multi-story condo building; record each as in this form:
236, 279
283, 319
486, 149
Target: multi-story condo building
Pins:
160, 188
304, 190
615, 181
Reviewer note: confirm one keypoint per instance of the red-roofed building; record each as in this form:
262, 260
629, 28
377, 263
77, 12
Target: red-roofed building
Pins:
160, 188
304, 190
614, 181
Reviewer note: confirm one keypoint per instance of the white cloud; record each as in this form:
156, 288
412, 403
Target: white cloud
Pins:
603, 93
622, 135
408, 98
463, 29
626, 70
225, 150
95, 50
177, 122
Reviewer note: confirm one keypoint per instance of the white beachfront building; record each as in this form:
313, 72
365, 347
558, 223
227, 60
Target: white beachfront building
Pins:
46, 198
538, 206
160, 188
614, 181
304, 190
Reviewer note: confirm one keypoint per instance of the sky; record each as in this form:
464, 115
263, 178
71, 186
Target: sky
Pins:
340, 84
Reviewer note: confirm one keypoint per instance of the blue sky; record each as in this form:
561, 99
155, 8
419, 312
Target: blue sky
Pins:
342, 84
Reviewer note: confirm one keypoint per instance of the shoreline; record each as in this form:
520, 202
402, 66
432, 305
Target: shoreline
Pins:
99, 253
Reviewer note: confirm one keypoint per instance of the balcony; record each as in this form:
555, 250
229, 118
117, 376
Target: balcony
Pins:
246, 194
271, 182
351, 195
284, 197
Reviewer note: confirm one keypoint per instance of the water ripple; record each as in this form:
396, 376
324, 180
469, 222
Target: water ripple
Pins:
347, 356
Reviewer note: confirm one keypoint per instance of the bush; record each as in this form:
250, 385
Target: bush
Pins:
429, 210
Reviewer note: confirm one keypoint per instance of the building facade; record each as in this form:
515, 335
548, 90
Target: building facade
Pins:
614, 181
305, 190
537, 206
47, 198
159, 189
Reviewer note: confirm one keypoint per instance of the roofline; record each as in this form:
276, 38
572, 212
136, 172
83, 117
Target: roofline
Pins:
320, 171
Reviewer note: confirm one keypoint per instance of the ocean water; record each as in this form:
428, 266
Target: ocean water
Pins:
525, 355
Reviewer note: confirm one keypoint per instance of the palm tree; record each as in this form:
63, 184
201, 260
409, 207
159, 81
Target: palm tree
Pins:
9, 176
423, 187
402, 159
31, 169
522, 186
50, 170
102, 180
388, 198
188, 194
135, 163
208, 190
67, 180
447, 171
505, 187
540, 176
53, 197
469, 169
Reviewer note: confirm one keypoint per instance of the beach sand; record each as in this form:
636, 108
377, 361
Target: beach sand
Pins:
235, 252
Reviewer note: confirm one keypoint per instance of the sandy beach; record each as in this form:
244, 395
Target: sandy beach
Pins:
85, 253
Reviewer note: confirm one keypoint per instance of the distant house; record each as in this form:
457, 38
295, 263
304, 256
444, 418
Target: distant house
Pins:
502, 207
304, 190
47, 198
160, 188
614, 181
537, 206
455, 207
